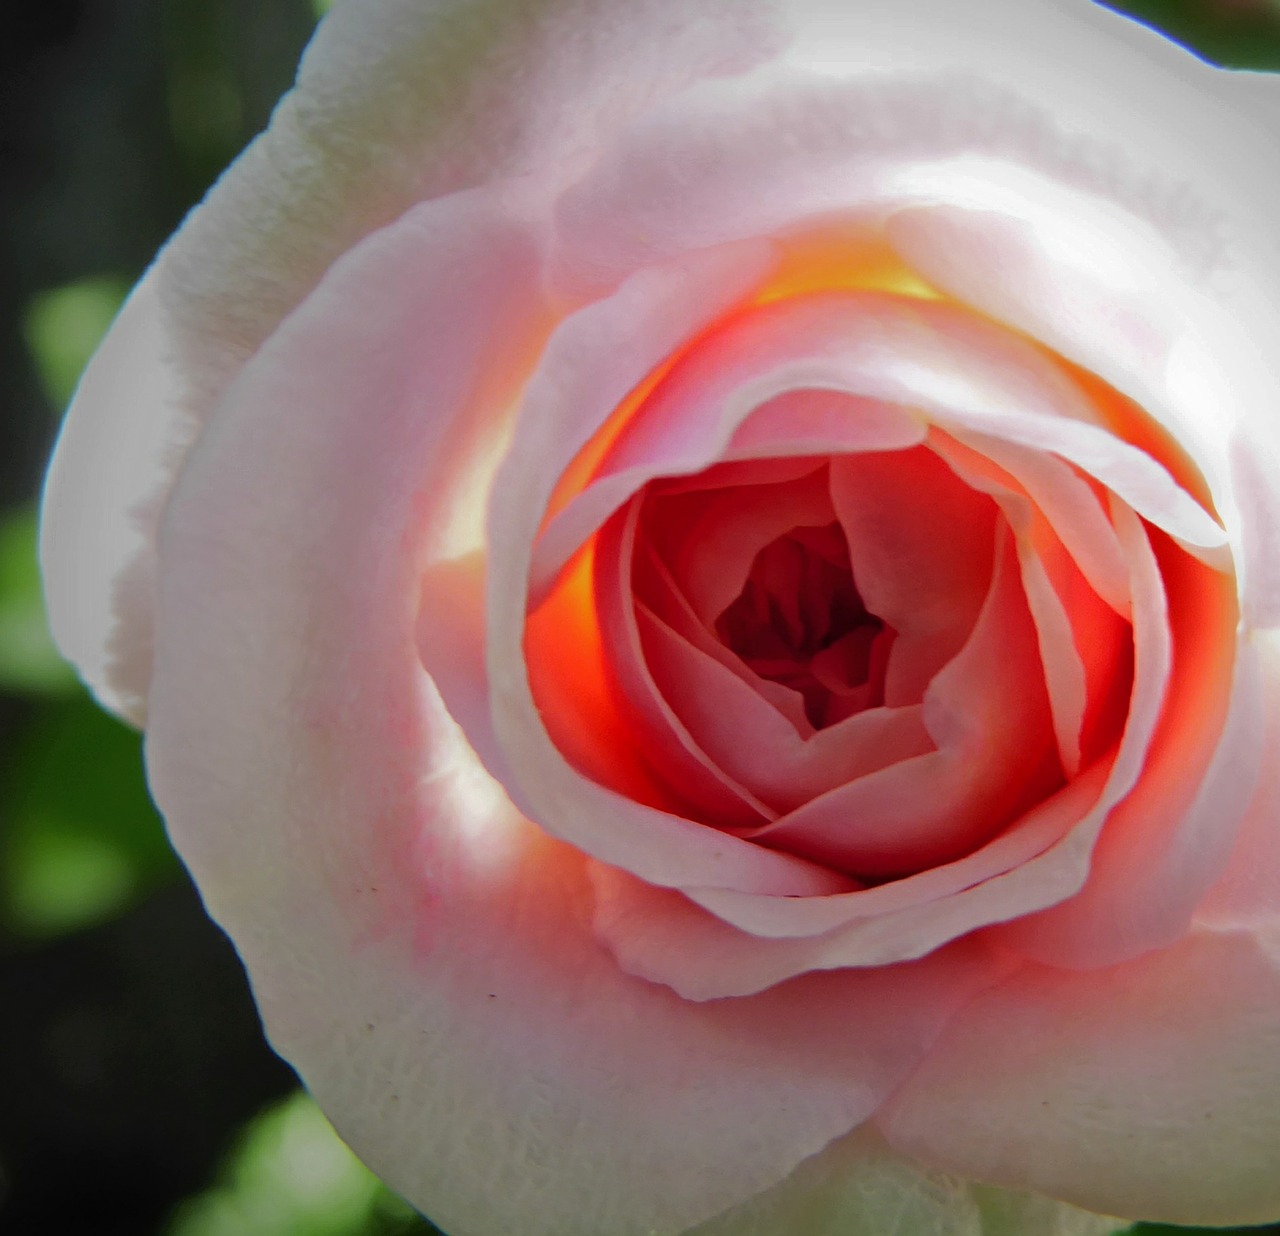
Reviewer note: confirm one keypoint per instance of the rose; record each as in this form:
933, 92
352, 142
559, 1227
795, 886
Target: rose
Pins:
471, 234
699, 579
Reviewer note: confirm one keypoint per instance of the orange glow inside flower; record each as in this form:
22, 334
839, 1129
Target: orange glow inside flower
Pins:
832, 258
821, 259
569, 658
565, 652
1129, 422
585, 465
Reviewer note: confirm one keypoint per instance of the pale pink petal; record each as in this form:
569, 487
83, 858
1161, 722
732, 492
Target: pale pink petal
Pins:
959, 371
582, 707
1147, 1089
786, 146
667, 936
658, 733
885, 347
1083, 633
713, 534
949, 366
1255, 93
110, 470
920, 544
374, 125
1253, 472
755, 743
1070, 506
450, 639
1209, 380
1084, 642
386, 898
397, 103
1038, 861
1167, 842
860, 1185
661, 600
1248, 892
1064, 670
1100, 296
823, 422
1088, 287
710, 537
867, 98
989, 716
619, 811
592, 363
599, 356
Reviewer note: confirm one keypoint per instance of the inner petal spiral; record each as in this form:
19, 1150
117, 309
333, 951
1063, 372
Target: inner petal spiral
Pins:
800, 621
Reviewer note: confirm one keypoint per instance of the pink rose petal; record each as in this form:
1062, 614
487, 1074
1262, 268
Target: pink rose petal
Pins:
994, 736
709, 537
756, 744
655, 730
1147, 1088
659, 600
668, 937
116, 457
426, 921
1166, 843
1038, 861
920, 543
858, 1184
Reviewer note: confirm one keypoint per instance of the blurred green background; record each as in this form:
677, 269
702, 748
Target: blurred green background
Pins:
136, 1093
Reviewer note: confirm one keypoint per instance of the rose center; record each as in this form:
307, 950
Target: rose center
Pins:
800, 621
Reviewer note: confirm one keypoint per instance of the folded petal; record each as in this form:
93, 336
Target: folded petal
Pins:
583, 358
655, 730
857, 1184
920, 545
756, 744
111, 470
398, 103
988, 715
709, 943
584, 395
660, 601
1039, 860
823, 422
709, 536
959, 371
1147, 1089
1171, 836
1084, 642
387, 899
867, 111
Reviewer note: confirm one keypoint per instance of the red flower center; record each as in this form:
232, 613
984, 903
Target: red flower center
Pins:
800, 621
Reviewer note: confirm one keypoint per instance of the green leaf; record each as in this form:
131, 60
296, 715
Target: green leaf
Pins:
290, 1175
82, 840
1162, 1229
29, 662
1239, 34
63, 325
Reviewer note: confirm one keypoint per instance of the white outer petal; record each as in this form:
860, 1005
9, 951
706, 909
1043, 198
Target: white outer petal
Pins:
397, 102
858, 1185
118, 445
